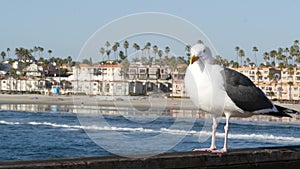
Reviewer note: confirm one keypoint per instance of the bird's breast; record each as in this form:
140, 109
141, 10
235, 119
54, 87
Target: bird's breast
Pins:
199, 87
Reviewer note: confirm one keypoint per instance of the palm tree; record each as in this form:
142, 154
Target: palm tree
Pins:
281, 66
290, 83
167, 50
8, 51
290, 71
49, 52
155, 51
125, 65
188, 50
102, 51
35, 49
147, 48
286, 50
273, 54
241, 55
126, 46
280, 50
160, 54
121, 55
237, 49
69, 59
266, 57
254, 49
17, 53
218, 60
115, 48
294, 50
271, 76
107, 44
41, 51
279, 55
118, 45
108, 53
258, 74
248, 60
3, 54
137, 48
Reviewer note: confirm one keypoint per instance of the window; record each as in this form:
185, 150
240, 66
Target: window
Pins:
295, 88
142, 71
265, 72
132, 71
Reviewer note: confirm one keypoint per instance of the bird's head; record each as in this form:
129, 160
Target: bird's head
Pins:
200, 51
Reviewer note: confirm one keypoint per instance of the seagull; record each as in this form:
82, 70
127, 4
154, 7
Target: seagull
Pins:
223, 91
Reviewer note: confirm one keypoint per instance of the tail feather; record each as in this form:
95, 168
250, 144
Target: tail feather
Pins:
284, 112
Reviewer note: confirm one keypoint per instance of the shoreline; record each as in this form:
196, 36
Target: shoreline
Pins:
106, 101
175, 107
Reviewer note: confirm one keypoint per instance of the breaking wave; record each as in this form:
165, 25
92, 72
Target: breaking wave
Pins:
255, 137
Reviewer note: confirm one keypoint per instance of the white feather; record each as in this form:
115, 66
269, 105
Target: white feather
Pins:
204, 83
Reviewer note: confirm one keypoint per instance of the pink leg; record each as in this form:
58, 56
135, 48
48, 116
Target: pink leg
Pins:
213, 138
226, 128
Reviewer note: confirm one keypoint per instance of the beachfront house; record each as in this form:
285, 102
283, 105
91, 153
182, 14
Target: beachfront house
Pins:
277, 83
34, 70
102, 79
22, 85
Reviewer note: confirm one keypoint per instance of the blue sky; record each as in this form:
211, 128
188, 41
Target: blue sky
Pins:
65, 25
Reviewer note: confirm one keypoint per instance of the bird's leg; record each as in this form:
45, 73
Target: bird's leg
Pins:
213, 138
214, 132
226, 128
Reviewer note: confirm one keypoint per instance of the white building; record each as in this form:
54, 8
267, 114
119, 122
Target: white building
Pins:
34, 70
11, 85
103, 79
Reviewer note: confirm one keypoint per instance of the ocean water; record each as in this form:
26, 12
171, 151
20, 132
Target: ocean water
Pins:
37, 135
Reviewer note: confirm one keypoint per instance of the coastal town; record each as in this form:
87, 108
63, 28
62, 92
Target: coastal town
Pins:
142, 75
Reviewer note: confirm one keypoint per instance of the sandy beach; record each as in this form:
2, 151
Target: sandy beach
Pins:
109, 101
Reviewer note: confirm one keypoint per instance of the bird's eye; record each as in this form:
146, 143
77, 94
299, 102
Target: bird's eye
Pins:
203, 50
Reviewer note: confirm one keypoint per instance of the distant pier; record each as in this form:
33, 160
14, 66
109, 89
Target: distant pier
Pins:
265, 158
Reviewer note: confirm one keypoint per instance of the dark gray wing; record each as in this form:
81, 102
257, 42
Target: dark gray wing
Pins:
244, 93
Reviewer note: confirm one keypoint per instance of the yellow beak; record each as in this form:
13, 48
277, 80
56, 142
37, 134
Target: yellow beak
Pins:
193, 59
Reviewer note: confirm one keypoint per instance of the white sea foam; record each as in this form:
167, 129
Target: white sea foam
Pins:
9, 123
256, 137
